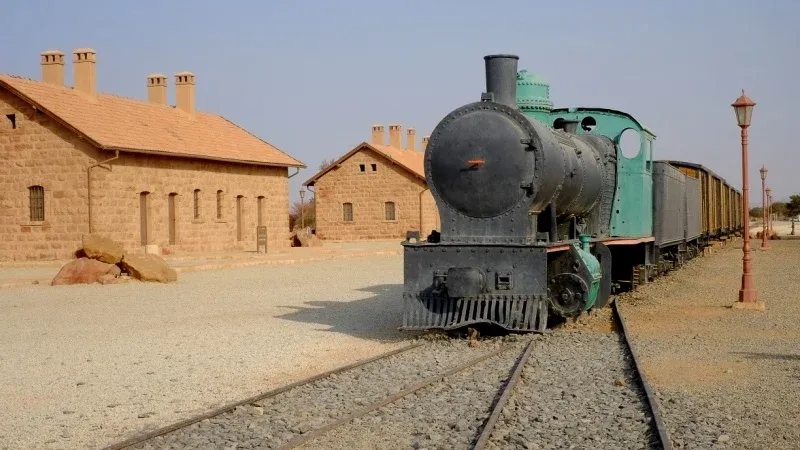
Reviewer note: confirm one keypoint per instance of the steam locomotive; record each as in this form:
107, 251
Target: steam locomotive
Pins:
543, 216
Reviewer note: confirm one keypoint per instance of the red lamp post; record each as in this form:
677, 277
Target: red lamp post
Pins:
764, 243
743, 107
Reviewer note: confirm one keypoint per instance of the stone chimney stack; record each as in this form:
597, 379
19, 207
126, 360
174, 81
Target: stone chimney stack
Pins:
395, 138
157, 88
53, 67
184, 91
425, 140
411, 139
378, 136
83, 65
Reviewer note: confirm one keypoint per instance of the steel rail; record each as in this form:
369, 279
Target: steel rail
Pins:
497, 409
264, 395
392, 398
663, 435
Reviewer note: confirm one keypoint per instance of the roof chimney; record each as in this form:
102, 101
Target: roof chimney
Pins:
395, 138
157, 88
184, 91
378, 137
411, 139
53, 67
83, 65
425, 140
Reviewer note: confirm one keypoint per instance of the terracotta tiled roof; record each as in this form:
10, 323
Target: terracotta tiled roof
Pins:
125, 124
413, 161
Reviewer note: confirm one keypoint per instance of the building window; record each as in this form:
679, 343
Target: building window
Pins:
219, 204
374, 167
12, 121
363, 167
197, 203
389, 208
36, 194
347, 212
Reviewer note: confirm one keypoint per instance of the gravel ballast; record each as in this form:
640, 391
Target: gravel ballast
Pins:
86, 365
578, 386
725, 378
579, 389
273, 422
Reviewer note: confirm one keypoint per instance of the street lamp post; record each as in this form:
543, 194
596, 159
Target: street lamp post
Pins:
302, 209
743, 107
763, 207
769, 210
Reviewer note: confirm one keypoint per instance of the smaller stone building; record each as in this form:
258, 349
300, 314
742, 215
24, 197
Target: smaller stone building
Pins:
153, 176
375, 191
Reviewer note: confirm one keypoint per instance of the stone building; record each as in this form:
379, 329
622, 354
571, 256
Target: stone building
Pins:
156, 177
375, 191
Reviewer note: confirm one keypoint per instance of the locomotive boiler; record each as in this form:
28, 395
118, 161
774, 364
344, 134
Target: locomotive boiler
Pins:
523, 208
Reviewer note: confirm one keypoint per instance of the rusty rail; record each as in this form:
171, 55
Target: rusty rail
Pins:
390, 399
663, 435
272, 393
497, 409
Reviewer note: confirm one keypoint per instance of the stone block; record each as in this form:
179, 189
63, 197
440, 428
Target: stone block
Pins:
83, 270
148, 267
103, 249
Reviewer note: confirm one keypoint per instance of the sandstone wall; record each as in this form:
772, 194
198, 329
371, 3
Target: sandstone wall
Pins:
39, 151
368, 192
117, 202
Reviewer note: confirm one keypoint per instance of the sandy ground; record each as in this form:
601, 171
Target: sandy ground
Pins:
782, 227
727, 378
87, 365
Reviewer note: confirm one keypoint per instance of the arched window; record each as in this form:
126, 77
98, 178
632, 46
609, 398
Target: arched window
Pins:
219, 204
347, 212
197, 203
389, 210
36, 195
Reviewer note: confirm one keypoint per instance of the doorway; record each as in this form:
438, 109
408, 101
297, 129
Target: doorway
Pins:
239, 217
144, 217
172, 219
261, 211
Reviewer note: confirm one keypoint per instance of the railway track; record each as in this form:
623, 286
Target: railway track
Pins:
443, 394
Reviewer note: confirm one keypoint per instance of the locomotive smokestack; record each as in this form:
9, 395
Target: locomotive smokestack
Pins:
501, 78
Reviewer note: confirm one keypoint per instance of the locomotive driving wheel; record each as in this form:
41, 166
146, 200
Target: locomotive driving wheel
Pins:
568, 294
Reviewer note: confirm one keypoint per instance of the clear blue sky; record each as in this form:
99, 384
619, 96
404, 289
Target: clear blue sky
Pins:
311, 77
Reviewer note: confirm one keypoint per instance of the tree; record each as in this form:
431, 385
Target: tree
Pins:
756, 212
793, 207
779, 209
326, 163
308, 210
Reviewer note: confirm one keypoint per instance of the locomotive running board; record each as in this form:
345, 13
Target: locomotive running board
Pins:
511, 312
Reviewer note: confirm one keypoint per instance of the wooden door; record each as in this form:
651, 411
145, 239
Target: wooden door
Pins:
260, 211
239, 218
172, 219
143, 217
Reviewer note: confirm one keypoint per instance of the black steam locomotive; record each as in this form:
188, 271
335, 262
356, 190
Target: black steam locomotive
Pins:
532, 215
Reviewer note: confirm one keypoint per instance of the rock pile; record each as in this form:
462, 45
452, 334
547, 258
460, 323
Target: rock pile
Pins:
772, 235
303, 237
104, 261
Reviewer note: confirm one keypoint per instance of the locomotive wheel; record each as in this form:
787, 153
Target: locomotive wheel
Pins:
568, 295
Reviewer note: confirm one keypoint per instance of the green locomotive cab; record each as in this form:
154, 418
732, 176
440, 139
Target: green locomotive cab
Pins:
632, 215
